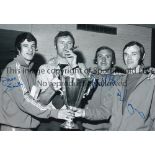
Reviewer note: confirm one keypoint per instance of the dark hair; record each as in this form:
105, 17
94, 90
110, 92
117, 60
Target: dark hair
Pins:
23, 36
141, 47
105, 48
63, 34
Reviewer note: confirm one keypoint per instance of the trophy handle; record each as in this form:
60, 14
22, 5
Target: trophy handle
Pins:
83, 89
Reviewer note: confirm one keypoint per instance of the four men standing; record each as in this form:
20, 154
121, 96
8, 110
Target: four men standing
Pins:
20, 110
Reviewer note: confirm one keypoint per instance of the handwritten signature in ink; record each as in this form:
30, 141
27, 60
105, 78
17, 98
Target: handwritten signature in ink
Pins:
130, 107
10, 82
121, 95
106, 80
133, 110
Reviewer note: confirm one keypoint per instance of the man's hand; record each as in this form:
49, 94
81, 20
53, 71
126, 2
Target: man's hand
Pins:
56, 84
65, 114
71, 58
78, 112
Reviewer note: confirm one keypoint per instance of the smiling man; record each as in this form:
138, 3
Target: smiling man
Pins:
19, 109
105, 59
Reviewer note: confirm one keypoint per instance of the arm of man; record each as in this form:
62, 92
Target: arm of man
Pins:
26, 103
152, 110
19, 97
97, 111
47, 90
46, 96
15, 95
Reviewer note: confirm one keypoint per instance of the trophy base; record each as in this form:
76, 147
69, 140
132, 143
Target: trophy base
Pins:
69, 125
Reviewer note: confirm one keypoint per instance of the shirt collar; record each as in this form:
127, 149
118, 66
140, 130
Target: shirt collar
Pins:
21, 61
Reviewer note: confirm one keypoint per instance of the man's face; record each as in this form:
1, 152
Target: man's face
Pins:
104, 59
27, 50
132, 56
64, 43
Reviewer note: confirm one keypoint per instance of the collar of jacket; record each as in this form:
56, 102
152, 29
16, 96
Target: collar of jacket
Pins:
21, 61
143, 78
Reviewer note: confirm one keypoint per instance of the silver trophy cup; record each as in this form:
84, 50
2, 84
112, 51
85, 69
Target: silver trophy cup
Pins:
73, 90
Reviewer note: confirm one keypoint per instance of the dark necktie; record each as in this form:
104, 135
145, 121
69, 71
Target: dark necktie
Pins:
58, 100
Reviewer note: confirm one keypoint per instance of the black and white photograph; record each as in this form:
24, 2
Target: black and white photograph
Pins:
80, 77
77, 77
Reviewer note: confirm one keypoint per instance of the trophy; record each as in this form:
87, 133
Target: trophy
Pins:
73, 91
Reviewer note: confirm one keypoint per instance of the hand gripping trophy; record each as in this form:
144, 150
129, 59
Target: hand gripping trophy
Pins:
73, 91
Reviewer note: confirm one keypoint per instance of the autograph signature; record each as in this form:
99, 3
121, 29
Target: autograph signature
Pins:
131, 109
106, 80
119, 94
10, 82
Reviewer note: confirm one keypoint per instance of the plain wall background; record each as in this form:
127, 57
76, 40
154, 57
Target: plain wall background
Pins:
86, 41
